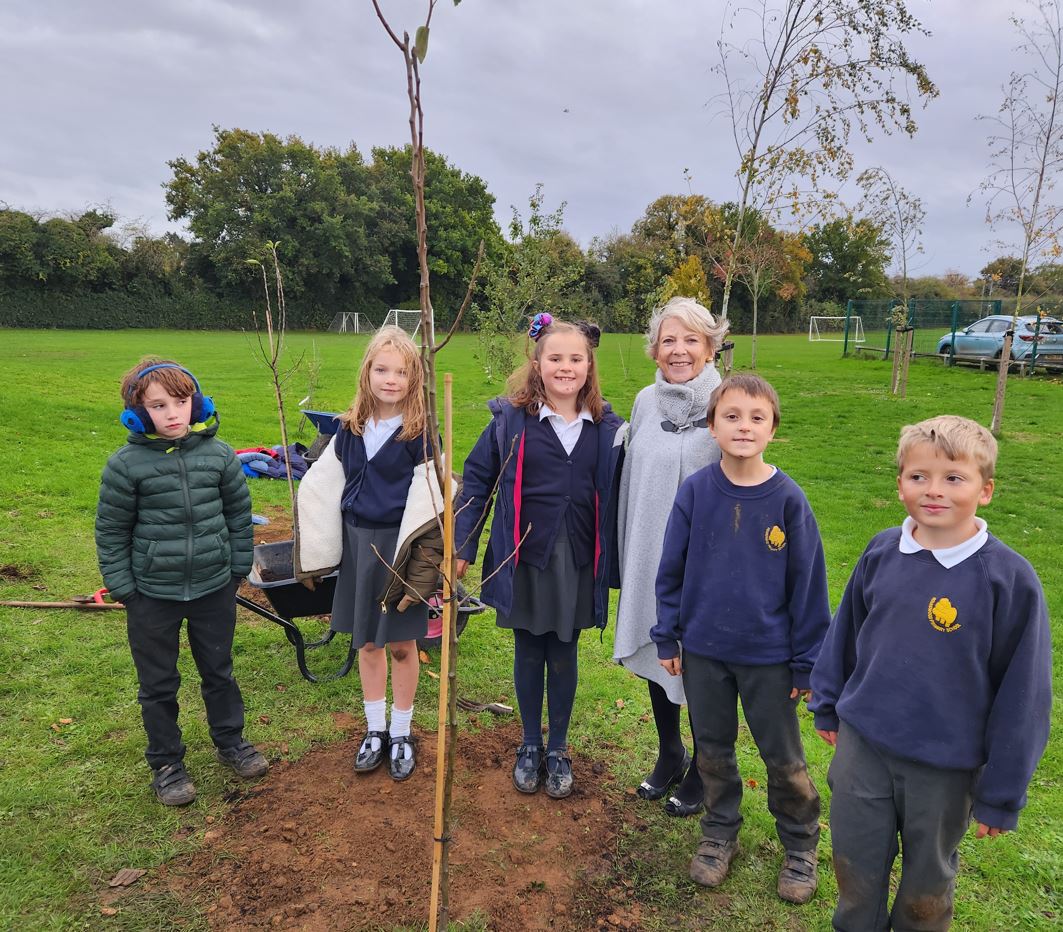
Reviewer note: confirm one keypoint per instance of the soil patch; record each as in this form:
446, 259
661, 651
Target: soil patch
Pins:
315, 846
11, 573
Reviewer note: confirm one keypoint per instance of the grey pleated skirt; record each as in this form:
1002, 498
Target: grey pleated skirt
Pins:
363, 577
558, 599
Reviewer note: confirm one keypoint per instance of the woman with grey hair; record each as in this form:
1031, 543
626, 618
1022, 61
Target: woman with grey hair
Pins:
668, 440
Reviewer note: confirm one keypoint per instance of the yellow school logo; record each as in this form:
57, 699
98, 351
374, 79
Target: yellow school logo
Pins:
775, 538
942, 614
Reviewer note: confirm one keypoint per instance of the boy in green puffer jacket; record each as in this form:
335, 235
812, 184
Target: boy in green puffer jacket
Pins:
174, 540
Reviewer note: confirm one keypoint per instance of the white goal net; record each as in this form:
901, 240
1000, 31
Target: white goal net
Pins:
351, 322
832, 329
410, 321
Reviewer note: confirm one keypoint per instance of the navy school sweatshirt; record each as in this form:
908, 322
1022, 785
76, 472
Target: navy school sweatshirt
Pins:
947, 667
742, 578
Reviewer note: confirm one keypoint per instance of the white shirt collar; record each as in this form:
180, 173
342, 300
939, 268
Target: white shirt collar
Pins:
388, 424
948, 557
546, 411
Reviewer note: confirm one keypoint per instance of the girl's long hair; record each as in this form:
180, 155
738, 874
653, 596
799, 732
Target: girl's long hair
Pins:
364, 405
525, 386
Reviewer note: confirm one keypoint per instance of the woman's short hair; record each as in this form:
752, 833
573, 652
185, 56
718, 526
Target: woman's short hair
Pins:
693, 316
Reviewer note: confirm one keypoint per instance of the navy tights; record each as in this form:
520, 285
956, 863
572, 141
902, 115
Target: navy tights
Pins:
532, 655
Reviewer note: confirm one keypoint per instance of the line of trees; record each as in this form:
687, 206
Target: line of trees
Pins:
347, 243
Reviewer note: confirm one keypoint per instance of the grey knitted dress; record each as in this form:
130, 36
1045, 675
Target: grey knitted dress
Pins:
657, 462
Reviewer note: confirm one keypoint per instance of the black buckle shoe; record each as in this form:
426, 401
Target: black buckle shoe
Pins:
528, 768
367, 759
558, 774
399, 765
647, 790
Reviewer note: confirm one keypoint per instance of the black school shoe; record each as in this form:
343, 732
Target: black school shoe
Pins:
647, 790
528, 769
558, 774
367, 759
173, 786
245, 760
399, 765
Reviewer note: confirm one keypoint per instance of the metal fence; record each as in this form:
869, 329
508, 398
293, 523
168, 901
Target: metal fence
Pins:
934, 321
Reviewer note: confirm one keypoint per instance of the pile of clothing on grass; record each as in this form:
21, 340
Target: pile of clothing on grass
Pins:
268, 462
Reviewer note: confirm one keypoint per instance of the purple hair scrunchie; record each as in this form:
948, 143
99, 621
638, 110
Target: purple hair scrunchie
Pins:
539, 323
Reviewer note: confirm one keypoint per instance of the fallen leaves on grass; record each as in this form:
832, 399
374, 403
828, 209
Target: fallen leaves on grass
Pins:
126, 876
423, 656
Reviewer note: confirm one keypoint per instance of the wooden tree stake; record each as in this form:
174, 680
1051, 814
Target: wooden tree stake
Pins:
446, 732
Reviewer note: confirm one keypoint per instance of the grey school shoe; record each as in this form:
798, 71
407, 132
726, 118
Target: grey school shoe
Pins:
245, 760
710, 865
173, 786
558, 774
798, 878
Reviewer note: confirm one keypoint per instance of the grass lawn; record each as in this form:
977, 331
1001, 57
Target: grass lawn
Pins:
74, 800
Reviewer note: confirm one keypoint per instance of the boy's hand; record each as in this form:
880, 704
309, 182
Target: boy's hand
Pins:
405, 602
984, 830
674, 665
831, 737
463, 565
805, 694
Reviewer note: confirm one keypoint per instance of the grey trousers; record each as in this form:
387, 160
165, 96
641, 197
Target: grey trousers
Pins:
713, 689
875, 797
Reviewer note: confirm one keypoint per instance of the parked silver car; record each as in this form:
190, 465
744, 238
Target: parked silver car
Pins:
986, 338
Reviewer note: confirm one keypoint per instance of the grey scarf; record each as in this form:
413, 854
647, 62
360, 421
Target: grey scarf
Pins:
685, 402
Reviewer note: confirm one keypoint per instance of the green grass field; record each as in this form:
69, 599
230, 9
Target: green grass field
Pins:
74, 800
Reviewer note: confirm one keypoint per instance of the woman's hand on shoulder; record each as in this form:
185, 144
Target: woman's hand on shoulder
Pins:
463, 565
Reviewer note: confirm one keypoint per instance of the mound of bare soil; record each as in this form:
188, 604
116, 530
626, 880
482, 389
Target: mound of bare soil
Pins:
316, 846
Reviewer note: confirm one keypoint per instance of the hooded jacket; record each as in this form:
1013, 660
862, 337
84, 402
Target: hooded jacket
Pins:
174, 517
497, 458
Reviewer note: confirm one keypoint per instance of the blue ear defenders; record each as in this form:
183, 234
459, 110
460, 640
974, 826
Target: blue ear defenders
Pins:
137, 419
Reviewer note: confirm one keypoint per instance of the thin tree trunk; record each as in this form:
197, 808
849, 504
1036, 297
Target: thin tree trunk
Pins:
909, 340
1002, 384
753, 343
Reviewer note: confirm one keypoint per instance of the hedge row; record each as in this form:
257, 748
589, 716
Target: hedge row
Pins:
114, 310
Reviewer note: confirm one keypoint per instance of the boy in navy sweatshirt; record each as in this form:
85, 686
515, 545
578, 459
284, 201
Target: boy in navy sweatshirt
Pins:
933, 686
742, 589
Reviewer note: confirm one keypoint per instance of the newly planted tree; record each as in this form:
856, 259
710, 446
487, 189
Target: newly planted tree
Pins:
1026, 153
900, 217
799, 77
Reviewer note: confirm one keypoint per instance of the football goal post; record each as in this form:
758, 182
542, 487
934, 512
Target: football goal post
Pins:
410, 321
351, 322
832, 329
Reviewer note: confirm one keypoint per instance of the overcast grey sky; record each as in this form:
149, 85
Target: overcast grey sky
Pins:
604, 101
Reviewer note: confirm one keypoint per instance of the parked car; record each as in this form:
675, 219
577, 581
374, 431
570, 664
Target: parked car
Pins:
985, 337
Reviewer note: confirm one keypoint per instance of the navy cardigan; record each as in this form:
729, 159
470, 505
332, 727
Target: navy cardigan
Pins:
502, 442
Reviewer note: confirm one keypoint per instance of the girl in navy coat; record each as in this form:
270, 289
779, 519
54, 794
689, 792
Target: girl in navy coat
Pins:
552, 451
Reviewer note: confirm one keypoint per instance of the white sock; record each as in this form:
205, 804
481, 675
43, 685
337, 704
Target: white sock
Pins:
376, 718
400, 728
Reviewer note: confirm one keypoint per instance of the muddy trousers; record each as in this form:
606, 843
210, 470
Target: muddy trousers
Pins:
534, 655
154, 630
713, 689
876, 796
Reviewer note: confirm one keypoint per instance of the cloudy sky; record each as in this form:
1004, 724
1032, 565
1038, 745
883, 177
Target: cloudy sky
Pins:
605, 102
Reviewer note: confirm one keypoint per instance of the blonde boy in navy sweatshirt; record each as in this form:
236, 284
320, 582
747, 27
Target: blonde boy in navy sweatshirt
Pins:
742, 590
933, 685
